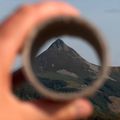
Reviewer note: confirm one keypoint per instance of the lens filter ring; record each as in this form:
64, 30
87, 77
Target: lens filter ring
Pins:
71, 26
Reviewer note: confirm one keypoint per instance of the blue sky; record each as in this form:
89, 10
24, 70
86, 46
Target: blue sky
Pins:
104, 13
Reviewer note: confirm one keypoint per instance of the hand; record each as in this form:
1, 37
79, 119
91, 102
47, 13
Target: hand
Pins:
13, 32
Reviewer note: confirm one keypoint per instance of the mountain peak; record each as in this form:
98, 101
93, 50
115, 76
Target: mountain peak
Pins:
58, 44
59, 41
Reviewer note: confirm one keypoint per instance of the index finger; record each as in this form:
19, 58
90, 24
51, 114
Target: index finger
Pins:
14, 30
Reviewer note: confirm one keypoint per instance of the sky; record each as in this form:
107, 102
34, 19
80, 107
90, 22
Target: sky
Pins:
104, 13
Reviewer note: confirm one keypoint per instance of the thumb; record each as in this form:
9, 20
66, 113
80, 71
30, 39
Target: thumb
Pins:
79, 109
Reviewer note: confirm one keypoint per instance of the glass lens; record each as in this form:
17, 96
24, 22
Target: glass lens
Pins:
66, 64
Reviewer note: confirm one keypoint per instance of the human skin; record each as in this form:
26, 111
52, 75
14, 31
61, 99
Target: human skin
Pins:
13, 32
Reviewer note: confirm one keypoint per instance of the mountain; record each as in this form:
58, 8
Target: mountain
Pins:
62, 69
59, 56
64, 65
